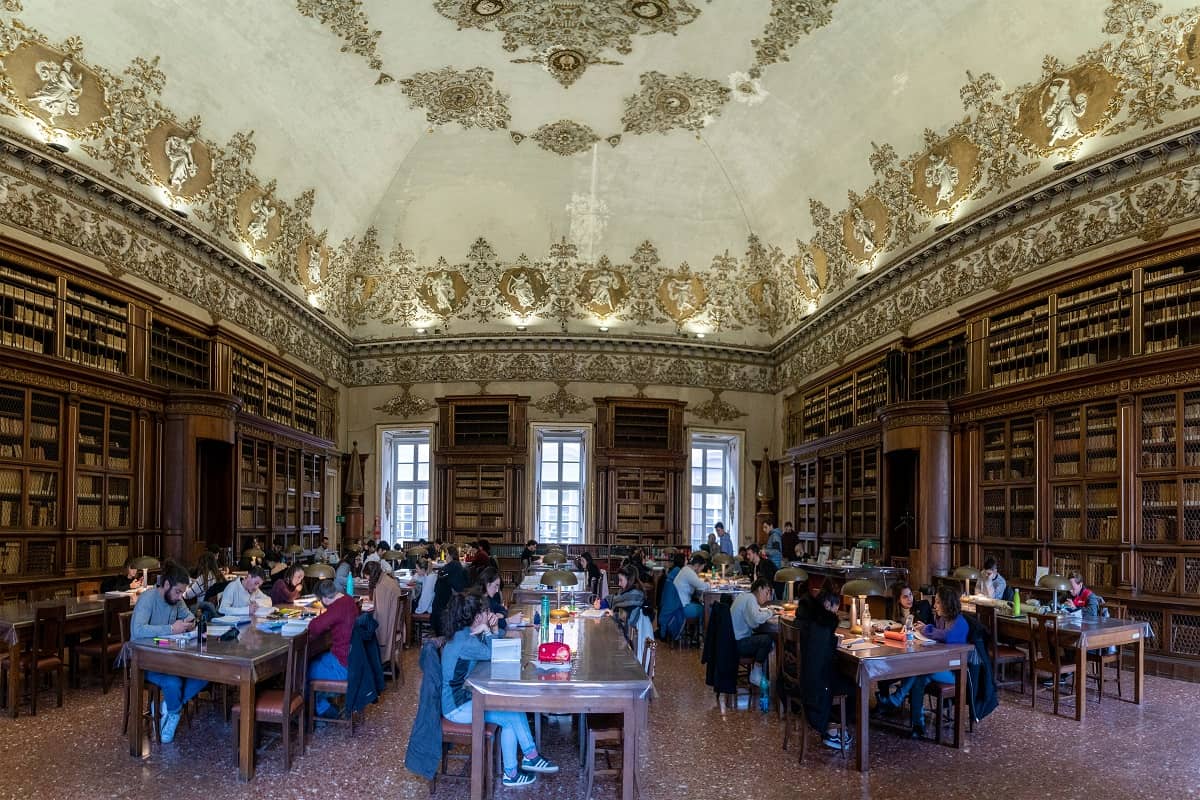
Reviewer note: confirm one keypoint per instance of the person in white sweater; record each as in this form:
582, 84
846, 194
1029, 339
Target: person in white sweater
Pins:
691, 588
748, 618
242, 597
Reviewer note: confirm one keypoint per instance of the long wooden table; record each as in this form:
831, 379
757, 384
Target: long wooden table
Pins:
605, 677
16, 627
1090, 633
253, 657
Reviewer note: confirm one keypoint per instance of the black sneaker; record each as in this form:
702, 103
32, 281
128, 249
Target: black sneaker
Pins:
520, 779
540, 764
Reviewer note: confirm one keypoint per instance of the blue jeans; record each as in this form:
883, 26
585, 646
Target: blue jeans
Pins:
514, 730
176, 690
326, 667
693, 611
914, 688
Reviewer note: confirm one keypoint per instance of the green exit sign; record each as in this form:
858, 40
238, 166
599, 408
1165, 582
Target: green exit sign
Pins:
340, 519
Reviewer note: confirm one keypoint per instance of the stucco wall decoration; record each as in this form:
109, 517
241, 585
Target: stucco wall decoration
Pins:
463, 96
946, 174
348, 21
561, 403
406, 404
312, 264
56, 87
178, 160
1067, 105
565, 137
715, 410
677, 101
524, 289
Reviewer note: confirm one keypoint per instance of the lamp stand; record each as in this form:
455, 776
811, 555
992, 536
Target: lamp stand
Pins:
146, 579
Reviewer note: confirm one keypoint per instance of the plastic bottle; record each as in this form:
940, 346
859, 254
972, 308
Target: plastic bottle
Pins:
537, 617
1016, 602
558, 633
908, 629
764, 693
546, 611
350, 585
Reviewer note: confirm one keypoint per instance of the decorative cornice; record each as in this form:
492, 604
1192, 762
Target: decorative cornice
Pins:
916, 421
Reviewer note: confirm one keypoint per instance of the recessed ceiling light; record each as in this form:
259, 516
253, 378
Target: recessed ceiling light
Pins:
521, 327
604, 329
1063, 165
699, 335
420, 330
59, 146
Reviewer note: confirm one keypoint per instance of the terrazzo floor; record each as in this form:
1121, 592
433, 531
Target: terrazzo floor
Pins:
693, 751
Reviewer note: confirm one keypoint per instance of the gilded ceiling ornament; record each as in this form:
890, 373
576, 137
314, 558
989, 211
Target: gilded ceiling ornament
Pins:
258, 218
406, 404
443, 291
716, 410
1187, 53
668, 102
312, 264
789, 21
946, 173
565, 137
463, 96
812, 270
568, 36
1067, 106
682, 295
523, 289
178, 160
348, 21
865, 228
56, 87
747, 89
602, 290
764, 296
562, 402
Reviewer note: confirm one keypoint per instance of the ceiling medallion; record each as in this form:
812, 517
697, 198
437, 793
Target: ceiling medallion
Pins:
568, 36
1067, 106
946, 173
466, 97
55, 88
178, 159
790, 19
565, 137
747, 89
668, 102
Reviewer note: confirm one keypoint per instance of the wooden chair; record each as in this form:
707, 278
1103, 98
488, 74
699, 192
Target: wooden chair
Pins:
329, 687
790, 693
945, 707
606, 732
45, 653
105, 647
420, 625
395, 666
1097, 660
1046, 655
458, 735
150, 708
1002, 655
281, 706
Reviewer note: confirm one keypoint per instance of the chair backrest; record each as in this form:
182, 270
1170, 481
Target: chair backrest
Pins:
125, 624
50, 631
1043, 638
649, 656
214, 592
403, 610
987, 621
789, 654
297, 669
110, 627
1113, 610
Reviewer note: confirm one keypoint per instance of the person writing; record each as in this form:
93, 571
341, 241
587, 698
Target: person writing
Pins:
630, 597
242, 597
338, 621
287, 587
162, 612
470, 626
489, 585
127, 581
992, 584
1080, 597
749, 617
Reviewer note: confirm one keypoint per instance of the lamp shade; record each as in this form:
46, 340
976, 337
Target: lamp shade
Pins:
320, 571
417, 552
723, 559
558, 578
861, 587
966, 573
145, 562
355, 548
392, 555
791, 575
867, 544
293, 550
254, 552
554, 557
702, 553
1055, 583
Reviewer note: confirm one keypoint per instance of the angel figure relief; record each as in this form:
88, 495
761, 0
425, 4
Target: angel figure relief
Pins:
522, 290
314, 263
1061, 111
864, 230
441, 287
601, 288
943, 175
681, 294
60, 91
182, 164
261, 212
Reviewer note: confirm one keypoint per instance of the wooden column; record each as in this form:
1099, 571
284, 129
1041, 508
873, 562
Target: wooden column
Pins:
353, 509
189, 416
924, 426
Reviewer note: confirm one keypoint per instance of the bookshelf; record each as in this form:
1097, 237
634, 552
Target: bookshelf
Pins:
254, 457
641, 503
1171, 307
279, 492
806, 500
95, 329
179, 359
863, 490
1018, 344
1008, 489
248, 379
938, 371
28, 309
839, 406
1094, 323
833, 500
814, 415
103, 483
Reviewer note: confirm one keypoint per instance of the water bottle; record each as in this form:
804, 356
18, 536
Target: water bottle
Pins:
558, 633
764, 693
350, 584
1016, 602
546, 610
908, 630
537, 617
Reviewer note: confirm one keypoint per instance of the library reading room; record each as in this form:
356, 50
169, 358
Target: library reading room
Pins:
600, 399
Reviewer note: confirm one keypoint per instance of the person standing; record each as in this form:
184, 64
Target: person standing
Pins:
723, 537
773, 548
162, 612
790, 540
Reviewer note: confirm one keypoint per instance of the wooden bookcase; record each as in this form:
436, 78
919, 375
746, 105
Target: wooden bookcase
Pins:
479, 467
641, 458
179, 358
806, 501
938, 370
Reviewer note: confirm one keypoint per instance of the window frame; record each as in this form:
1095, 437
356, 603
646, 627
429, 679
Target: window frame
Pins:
732, 445
562, 432
389, 438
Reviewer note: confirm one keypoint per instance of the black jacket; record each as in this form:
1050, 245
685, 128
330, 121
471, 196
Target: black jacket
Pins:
451, 578
720, 651
982, 690
819, 679
424, 751
364, 678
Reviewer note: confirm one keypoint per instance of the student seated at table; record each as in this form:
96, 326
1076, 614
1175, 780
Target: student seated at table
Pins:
206, 575
287, 587
338, 620
907, 606
637, 559
425, 581
691, 587
128, 580
587, 563
376, 557
322, 552
470, 626
992, 583
764, 567
629, 600
349, 565
820, 680
951, 627
242, 597
743, 556
1081, 598
489, 585
248, 561
748, 618
162, 612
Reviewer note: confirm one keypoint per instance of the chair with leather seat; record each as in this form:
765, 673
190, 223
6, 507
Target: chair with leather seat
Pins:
281, 706
106, 646
420, 626
1002, 654
456, 746
605, 733
1097, 660
1046, 655
45, 654
153, 695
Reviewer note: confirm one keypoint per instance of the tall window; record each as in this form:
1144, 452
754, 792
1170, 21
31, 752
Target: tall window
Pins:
405, 492
561, 484
714, 470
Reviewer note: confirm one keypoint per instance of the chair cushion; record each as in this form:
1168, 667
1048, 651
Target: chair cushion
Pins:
45, 663
331, 687
268, 706
460, 732
1005, 653
113, 649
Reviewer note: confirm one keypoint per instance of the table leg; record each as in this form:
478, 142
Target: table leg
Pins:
1139, 669
477, 745
862, 752
629, 748
135, 688
960, 699
1080, 682
14, 676
246, 730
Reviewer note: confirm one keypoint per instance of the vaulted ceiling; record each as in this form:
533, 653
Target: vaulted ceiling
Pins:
657, 168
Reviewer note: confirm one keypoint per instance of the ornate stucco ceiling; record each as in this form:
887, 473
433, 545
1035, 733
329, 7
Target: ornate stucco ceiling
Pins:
656, 167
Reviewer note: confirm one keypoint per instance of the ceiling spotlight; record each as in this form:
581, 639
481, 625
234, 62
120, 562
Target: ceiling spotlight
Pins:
57, 145
699, 335
521, 327
604, 329
420, 330
1063, 165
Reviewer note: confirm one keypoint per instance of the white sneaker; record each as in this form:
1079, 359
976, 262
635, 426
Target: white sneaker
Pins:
756, 675
169, 723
